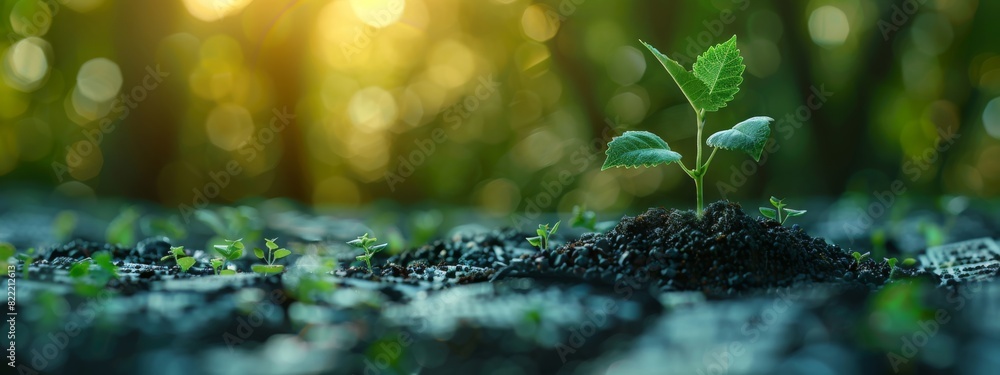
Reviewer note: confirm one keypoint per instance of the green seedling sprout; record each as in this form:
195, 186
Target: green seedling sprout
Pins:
891, 262
859, 257
121, 230
779, 208
232, 250
273, 253
63, 225
582, 218
90, 282
216, 264
713, 82
368, 245
184, 261
541, 241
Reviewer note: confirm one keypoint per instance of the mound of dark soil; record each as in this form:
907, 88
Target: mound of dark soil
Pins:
723, 253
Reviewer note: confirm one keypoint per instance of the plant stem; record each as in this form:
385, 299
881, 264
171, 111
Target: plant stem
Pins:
699, 172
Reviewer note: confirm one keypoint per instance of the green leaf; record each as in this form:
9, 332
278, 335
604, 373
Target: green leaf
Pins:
694, 89
541, 232
892, 262
216, 262
270, 243
6, 251
909, 262
790, 212
535, 241
355, 243
857, 256
721, 70
281, 253
267, 269
80, 269
167, 257
633, 149
258, 252
227, 272
377, 248
554, 228
776, 202
769, 213
363, 257
177, 250
186, 263
63, 225
121, 230
749, 136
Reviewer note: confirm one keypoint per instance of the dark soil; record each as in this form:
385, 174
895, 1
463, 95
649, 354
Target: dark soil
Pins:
723, 253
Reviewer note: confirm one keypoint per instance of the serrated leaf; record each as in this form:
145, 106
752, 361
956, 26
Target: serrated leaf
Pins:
633, 149
769, 213
270, 243
258, 252
720, 68
691, 86
749, 136
186, 263
281, 253
790, 212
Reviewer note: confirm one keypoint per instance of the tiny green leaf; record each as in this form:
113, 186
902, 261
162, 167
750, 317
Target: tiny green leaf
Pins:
80, 269
227, 272
749, 136
790, 212
270, 243
857, 256
554, 228
541, 232
267, 269
355, 243
909, 262
216, 262
281, 253
769, 213
167, 257
185, 263
177, 250
721, 70
892, 262
362, 257
258, 252
535, 241
633, 149
776, 202
377, 248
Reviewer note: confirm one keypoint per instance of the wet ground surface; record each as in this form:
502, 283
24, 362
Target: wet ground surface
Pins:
662, 293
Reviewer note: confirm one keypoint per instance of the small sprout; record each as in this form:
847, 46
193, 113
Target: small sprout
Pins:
909, 262
891, 262
779, 207
859, 257
63, 225
183, 260
216, 264
582, 218
541, 241
273, 253
121, 230
232, 250
80, 269
366, 244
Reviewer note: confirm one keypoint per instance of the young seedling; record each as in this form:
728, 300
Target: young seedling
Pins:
713, 82
217, 264
779, 208
273, 253
368, 245
541, 241
232, 250
859, 257
184, 261
90, 282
